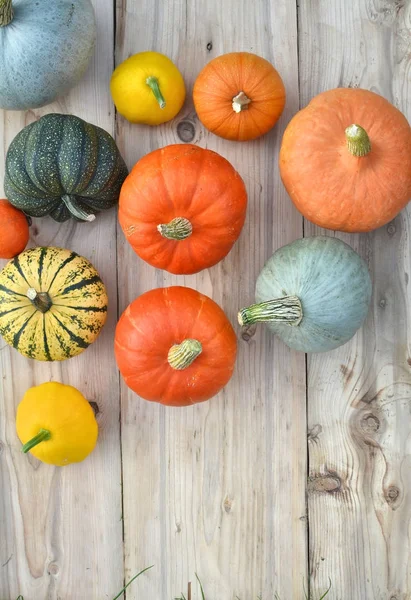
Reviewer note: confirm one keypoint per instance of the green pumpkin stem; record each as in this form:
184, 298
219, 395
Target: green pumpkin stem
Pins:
181, 356
75, 209
41, 300
6, 12
286, 310
358, 141
153, 84
42, 436
240, 102
179, 228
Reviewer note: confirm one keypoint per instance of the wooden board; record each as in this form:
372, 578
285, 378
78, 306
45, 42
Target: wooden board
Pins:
359, 396
217, 489
220, 489
61, 529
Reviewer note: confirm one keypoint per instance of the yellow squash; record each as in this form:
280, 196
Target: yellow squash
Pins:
56, 424
148, 88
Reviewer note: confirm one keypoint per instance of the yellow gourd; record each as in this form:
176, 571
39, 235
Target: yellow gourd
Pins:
148, 88
56, 424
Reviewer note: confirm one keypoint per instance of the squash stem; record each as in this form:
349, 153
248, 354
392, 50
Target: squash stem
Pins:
75, 209
181, 356
358, 141
42, 436
41, 300
179, 228
240, 102
286, 310
6, 12
153, 84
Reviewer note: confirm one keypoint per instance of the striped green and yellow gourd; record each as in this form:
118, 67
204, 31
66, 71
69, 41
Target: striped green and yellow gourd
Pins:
53, 303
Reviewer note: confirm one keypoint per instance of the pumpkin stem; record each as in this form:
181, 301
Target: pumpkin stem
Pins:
240, 102
283, 310
75, 209
152, 83
181, 356
40, 300
358, 141
179, 228
42, 436
6, 12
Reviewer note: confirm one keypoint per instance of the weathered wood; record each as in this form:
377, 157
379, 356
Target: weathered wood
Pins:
359, 396
218, 489
60, 529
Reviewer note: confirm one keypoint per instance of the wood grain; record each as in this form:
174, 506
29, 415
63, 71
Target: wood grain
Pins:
61, 530
218, 489
359, 396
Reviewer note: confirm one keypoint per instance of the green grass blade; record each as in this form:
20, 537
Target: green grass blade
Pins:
130, 582
201, 587
326, 593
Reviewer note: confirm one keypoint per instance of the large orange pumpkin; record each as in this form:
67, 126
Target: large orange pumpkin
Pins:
14, 230
175, 346
239, 96
345, 160
182, 208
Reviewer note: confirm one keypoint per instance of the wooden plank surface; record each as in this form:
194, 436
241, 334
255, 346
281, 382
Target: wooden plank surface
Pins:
218, 489
60, 529
359, 396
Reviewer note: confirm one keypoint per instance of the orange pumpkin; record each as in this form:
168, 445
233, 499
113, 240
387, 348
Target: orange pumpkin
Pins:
345, 160
14, 230
182, 208
175, 346
239, 96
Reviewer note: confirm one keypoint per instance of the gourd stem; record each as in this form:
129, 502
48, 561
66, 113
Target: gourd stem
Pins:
153, 84
6, 12
75, 209
41, 300
181, 356
240, 102
358, 141
286, 310
42, 436
179, 228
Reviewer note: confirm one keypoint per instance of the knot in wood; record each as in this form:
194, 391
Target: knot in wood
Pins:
186, 131
391, 229
210, 46
314, 433
328, 483
370, 423
392, 494
95, 408
53, 569
382, 303
228, 503
248, 331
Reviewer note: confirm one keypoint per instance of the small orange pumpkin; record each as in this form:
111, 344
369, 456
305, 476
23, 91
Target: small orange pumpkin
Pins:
345, 160
239, 96
175, 346
14, 230
182, 208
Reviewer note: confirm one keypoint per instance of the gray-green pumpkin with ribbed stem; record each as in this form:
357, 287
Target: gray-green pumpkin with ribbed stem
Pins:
45, 49
65, 167
313, 293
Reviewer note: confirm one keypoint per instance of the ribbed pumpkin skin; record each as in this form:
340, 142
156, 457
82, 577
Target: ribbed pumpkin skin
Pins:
331, 187
331, 281
157, 320
183, 180
79, 308
62, 155
44, 51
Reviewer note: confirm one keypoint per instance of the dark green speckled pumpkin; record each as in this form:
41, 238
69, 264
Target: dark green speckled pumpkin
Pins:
64, 167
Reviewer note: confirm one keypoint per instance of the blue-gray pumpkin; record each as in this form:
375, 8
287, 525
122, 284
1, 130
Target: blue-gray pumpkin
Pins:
65, 167
313, 293
45, 48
